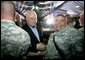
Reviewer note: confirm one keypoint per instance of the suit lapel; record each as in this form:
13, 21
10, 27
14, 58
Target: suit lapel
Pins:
31, 32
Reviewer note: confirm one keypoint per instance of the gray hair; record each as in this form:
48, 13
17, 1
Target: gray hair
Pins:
30, 11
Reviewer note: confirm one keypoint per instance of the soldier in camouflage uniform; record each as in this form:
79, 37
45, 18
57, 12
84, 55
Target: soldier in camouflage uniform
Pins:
81, 21
68, 20
14, 40
66, 39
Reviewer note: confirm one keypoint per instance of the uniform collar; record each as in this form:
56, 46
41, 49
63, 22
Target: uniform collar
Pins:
8, 21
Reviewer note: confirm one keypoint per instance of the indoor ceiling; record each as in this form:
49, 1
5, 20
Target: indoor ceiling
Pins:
47, 7
46, 10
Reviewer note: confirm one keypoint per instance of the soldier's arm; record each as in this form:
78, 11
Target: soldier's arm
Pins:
51, 52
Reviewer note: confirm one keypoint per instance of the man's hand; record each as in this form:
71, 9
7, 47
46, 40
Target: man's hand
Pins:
41, 46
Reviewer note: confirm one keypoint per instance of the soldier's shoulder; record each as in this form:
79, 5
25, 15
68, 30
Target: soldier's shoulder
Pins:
51, 35
16, 30
81, 29
74, 30
20, 30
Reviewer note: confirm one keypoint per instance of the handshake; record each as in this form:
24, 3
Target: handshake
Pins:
41, 46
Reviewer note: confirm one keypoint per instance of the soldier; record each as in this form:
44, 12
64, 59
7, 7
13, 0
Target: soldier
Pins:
68, 20
63, 42
14, 40
81, 21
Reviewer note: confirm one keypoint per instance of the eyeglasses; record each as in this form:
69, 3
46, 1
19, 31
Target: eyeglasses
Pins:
33, 18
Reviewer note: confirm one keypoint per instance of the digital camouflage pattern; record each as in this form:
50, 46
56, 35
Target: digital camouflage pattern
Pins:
14, 40
82, 41
82, 29
67, 40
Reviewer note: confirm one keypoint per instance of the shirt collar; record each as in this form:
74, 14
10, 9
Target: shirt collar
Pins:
31, 26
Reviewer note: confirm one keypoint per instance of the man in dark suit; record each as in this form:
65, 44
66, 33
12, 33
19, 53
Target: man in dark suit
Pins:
35, 32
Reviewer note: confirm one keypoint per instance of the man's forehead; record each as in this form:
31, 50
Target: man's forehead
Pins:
59, 18
32, 14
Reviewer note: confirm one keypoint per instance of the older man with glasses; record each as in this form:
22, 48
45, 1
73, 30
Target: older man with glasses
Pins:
35, 33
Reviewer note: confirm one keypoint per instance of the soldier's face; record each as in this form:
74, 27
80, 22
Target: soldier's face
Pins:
32, 20
68, 18
60, 23
81, 20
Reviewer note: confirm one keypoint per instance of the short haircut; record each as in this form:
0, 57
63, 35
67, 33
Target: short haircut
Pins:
60, 15
28, 12
7, 7
67, 15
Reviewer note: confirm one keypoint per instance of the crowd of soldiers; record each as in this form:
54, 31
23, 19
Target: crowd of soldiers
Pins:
65, 43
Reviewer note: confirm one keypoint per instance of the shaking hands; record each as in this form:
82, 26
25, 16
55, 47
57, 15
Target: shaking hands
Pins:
41, 46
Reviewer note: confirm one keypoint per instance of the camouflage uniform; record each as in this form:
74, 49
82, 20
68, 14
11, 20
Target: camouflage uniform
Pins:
67, 40
71, 25
82, 42
82, 29
14, 40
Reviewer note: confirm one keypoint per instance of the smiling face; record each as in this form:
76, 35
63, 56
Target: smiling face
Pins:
32, 18
60, 23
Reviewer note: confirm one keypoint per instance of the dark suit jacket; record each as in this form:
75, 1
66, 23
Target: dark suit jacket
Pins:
34, 39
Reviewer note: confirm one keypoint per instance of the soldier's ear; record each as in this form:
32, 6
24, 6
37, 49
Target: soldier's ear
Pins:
14, 15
